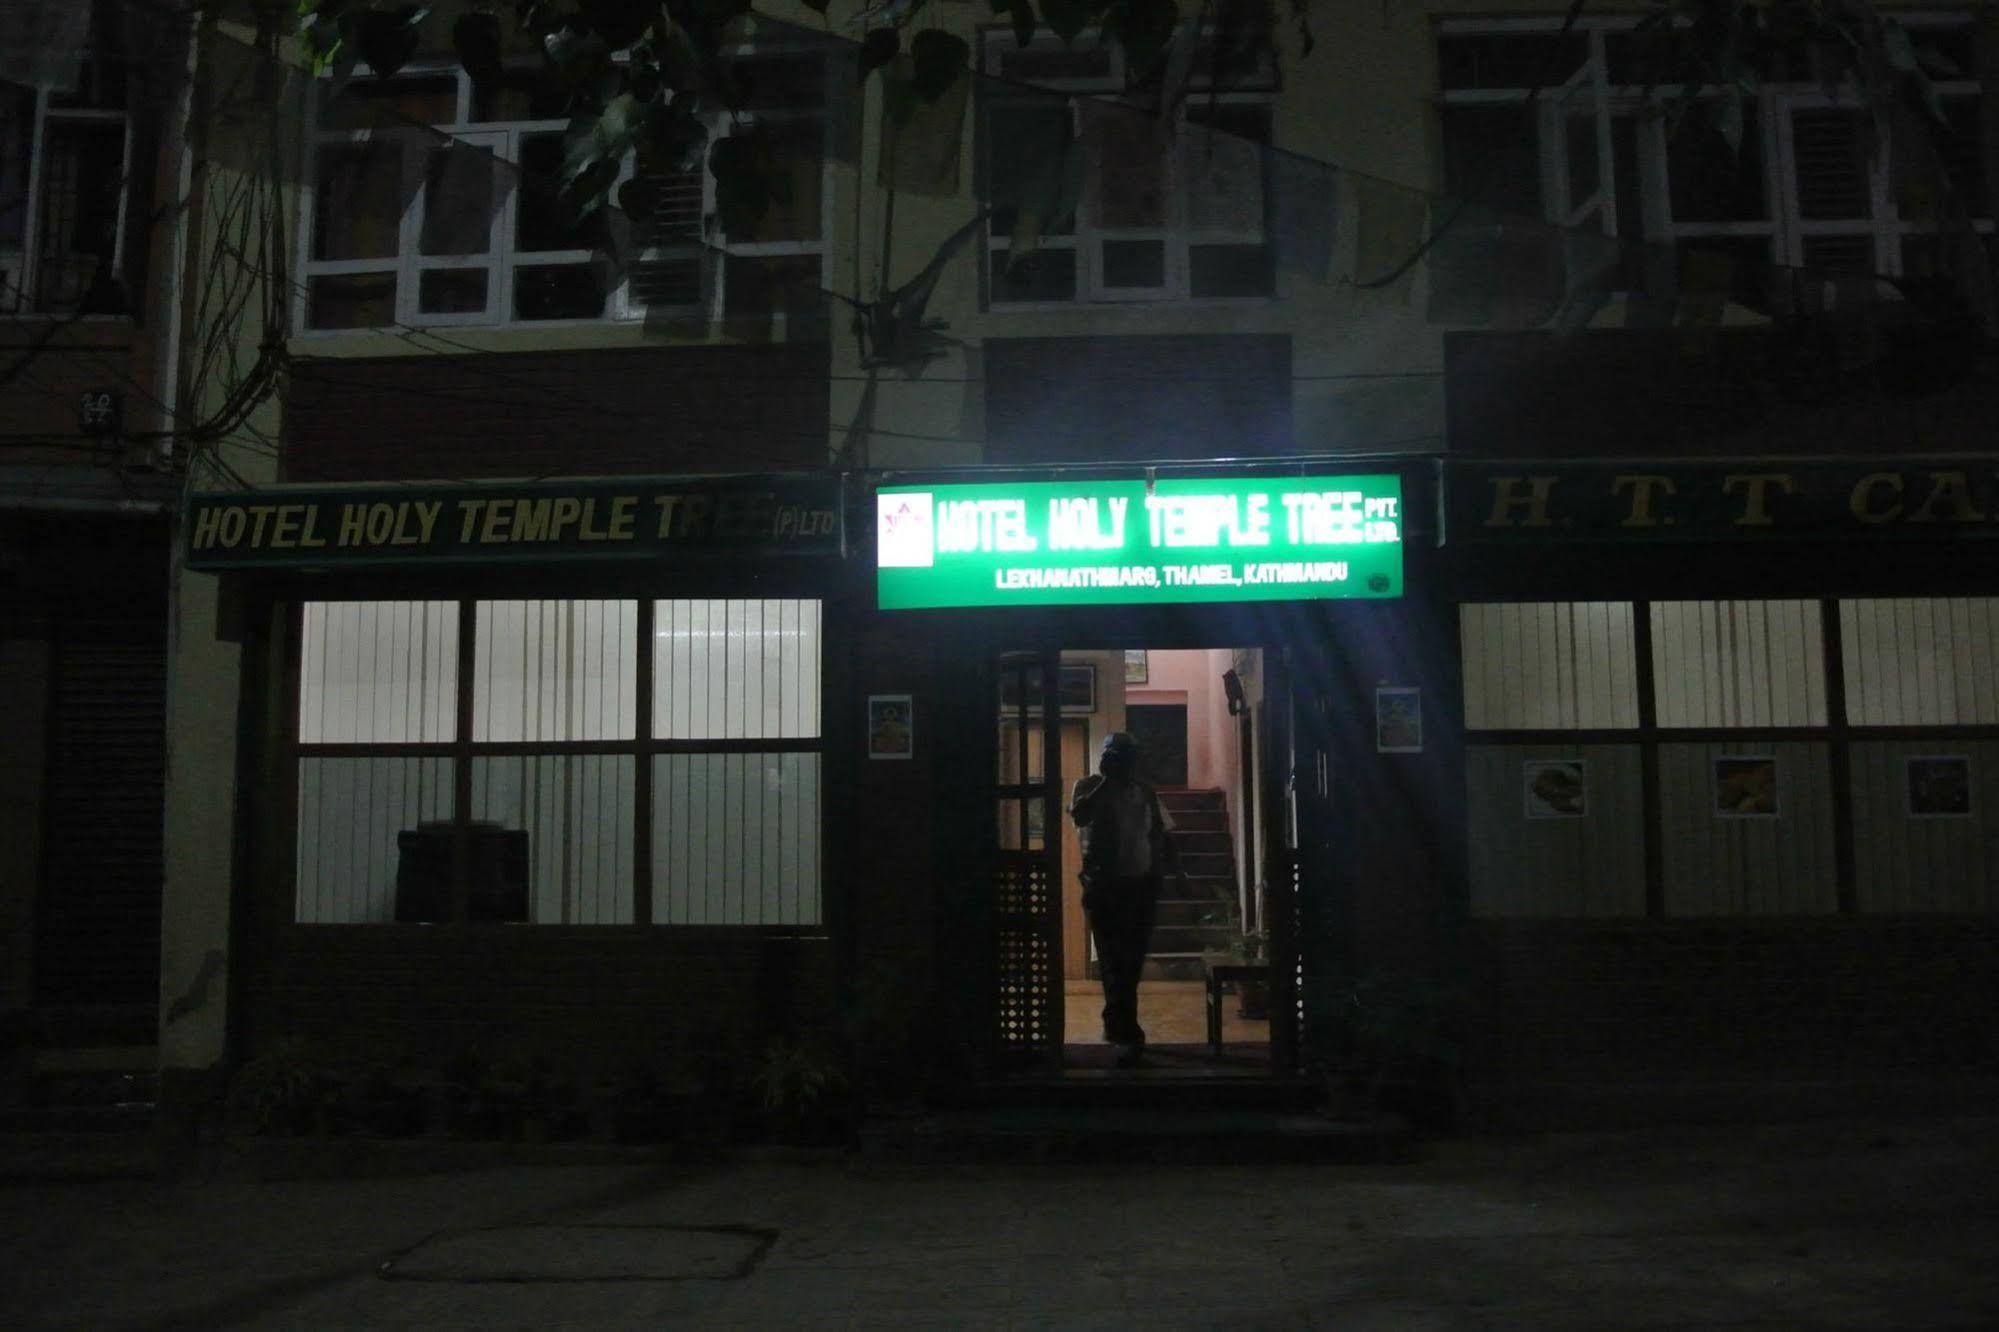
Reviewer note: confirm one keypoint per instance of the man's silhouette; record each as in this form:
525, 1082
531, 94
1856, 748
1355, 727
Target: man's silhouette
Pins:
1125, 852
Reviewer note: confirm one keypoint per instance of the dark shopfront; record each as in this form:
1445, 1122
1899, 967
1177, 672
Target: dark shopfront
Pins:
1731, 739
536, 769
522, 804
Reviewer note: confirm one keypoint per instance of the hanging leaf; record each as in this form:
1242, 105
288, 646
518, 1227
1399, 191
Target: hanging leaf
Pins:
620, 22
1066, 18
581, 58
877, 49
1143, 28
476, 39
742, 185
1022, 13
937, 58
389, 37
672, 140
324, 27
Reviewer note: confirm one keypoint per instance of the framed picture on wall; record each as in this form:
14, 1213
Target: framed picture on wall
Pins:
1745, 786
1137, 666
1555, 788
1076, 685
1939, 786
1398, 719
891, 726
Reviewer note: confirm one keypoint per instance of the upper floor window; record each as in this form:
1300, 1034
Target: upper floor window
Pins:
437, 202
65, 188
1169, 207
1792, 173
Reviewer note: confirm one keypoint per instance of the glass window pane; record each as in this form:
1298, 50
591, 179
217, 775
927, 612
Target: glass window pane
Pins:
1045, 275
798, 153
575, 813
1021, 141
363, 827
378, 672
736, 839
1134, 264
1921, 661
1126, 150
555, 670
736, 670
783, 284
351, 300
1738, 663
1231, 270
559, 291
458, 201
358, 200
1829, 148
541, 221
17, 135
82, 179
1549, 665
452, 291
1711, 182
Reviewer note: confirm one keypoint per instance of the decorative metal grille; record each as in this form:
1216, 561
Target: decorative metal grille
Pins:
1029, 1016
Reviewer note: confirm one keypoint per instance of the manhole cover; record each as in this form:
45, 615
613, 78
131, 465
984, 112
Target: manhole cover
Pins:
585, 1253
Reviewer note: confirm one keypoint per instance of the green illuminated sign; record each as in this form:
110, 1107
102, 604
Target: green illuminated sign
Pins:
1065, 543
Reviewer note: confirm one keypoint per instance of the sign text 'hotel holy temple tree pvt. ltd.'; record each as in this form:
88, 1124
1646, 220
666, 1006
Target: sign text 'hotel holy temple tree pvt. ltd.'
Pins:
629, 518
1178, 539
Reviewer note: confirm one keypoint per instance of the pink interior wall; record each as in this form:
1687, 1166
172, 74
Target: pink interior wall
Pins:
1194, 677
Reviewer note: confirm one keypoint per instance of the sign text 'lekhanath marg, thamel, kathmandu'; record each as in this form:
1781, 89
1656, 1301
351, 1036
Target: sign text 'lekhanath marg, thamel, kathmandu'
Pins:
635, 518
1176, 539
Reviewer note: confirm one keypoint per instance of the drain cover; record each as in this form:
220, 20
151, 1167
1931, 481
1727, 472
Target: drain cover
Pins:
585, 1253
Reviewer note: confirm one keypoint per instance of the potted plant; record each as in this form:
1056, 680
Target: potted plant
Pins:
1230, 942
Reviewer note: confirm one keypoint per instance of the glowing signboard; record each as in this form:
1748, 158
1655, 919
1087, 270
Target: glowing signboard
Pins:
1056, 543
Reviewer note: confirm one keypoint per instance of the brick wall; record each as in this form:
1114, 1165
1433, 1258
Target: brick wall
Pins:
1830, 997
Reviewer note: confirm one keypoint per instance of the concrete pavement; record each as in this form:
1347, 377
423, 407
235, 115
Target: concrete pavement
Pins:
1869, 1224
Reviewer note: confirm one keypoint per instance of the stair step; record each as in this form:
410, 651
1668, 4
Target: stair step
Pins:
1175, 801
1107, 1133
1199, 820
1202, 840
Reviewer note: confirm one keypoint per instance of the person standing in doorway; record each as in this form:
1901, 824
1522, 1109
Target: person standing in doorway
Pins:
1126, 851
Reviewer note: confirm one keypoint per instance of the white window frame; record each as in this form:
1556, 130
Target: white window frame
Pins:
1783, 226
20, 270
1178, 235
502, 261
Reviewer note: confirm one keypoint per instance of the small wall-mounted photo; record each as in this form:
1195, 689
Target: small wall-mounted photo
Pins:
1075, 684
1555, 788
1939, 786
1137, 666
891, 726
1745, 786
1398, 719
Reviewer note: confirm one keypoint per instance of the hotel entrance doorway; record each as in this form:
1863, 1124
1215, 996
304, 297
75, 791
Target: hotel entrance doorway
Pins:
1195, 713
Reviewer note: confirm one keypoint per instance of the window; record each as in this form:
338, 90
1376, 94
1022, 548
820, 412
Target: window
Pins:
436, 203
547, 798
1556, 665
1806, 187
1167, 210
64, 192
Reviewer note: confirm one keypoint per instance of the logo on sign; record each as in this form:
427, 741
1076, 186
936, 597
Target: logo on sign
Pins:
903, 531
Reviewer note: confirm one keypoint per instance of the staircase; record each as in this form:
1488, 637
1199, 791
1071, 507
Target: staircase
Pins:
1207, 853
